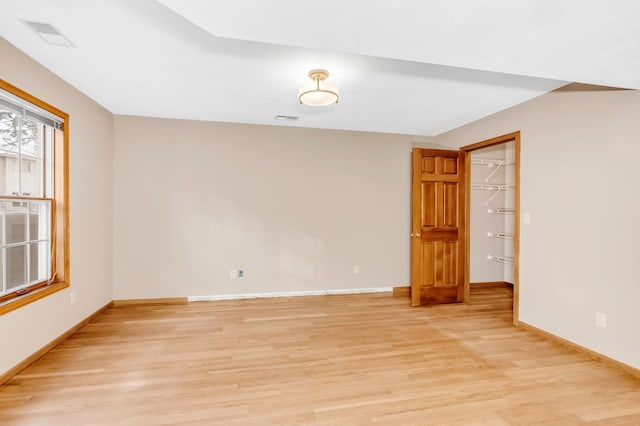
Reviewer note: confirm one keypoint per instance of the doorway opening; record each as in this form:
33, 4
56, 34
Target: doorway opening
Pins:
492, 215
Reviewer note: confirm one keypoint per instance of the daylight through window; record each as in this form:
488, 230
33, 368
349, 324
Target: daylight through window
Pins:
28, 220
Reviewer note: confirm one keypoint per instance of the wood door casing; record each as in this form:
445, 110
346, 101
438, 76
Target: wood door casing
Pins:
437, 231
515, 138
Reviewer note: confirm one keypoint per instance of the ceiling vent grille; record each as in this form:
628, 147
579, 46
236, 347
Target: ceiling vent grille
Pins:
49, 34
286, 118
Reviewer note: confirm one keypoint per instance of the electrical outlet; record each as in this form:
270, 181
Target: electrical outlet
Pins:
233, 273
601, 320
72, 297
356, 269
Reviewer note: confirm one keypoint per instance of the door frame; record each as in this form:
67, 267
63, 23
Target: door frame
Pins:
509, 137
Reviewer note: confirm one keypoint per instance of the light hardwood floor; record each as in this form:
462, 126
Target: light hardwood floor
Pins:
347, 359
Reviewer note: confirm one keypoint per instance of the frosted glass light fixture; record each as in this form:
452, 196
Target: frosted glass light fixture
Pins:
319, 92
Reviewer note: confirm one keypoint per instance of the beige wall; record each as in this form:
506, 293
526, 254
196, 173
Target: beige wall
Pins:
26, 330
579, 177
296, 209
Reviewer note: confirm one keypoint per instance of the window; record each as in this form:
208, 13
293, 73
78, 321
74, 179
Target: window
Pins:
33, 193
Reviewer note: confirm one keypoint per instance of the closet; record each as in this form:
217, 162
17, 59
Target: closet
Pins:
492, 208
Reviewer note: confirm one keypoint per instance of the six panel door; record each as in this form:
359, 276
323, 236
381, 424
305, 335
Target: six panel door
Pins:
437, 235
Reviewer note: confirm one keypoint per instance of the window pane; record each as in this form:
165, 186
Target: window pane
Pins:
39, 263
39, 220
47, 163
2, 216
16, 267
31, 154
16, 221
31, 177
9, 169
22, 168
31, 138
9, 174
8, 130
2, 287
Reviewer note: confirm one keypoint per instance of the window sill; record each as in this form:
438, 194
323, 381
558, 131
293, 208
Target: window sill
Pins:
18, 302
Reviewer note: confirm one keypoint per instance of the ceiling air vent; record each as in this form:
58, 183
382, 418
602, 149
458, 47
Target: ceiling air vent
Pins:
286, 118
49, 34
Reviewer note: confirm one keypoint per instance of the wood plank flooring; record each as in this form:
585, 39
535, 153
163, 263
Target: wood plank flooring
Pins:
340, 360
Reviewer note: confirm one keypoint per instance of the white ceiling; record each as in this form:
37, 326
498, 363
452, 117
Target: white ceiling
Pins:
403, 66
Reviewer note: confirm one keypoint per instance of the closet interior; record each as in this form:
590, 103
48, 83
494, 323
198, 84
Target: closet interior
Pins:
492, 208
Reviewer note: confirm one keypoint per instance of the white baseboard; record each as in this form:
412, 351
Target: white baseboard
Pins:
288, 294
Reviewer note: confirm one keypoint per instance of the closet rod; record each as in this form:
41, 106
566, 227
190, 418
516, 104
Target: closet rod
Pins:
499, 235
501, 259
490, 187
502, 210
492, 162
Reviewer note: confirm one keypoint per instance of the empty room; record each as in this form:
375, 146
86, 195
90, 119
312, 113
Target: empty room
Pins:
331, 212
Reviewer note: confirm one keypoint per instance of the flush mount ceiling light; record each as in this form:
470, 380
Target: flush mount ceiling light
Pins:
319, 92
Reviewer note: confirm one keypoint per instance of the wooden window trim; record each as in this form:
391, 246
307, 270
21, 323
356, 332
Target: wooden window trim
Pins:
60, 210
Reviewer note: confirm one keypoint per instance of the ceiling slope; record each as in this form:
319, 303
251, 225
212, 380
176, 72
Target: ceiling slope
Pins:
413, 67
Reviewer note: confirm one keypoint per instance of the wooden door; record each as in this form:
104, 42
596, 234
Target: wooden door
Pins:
437, 231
